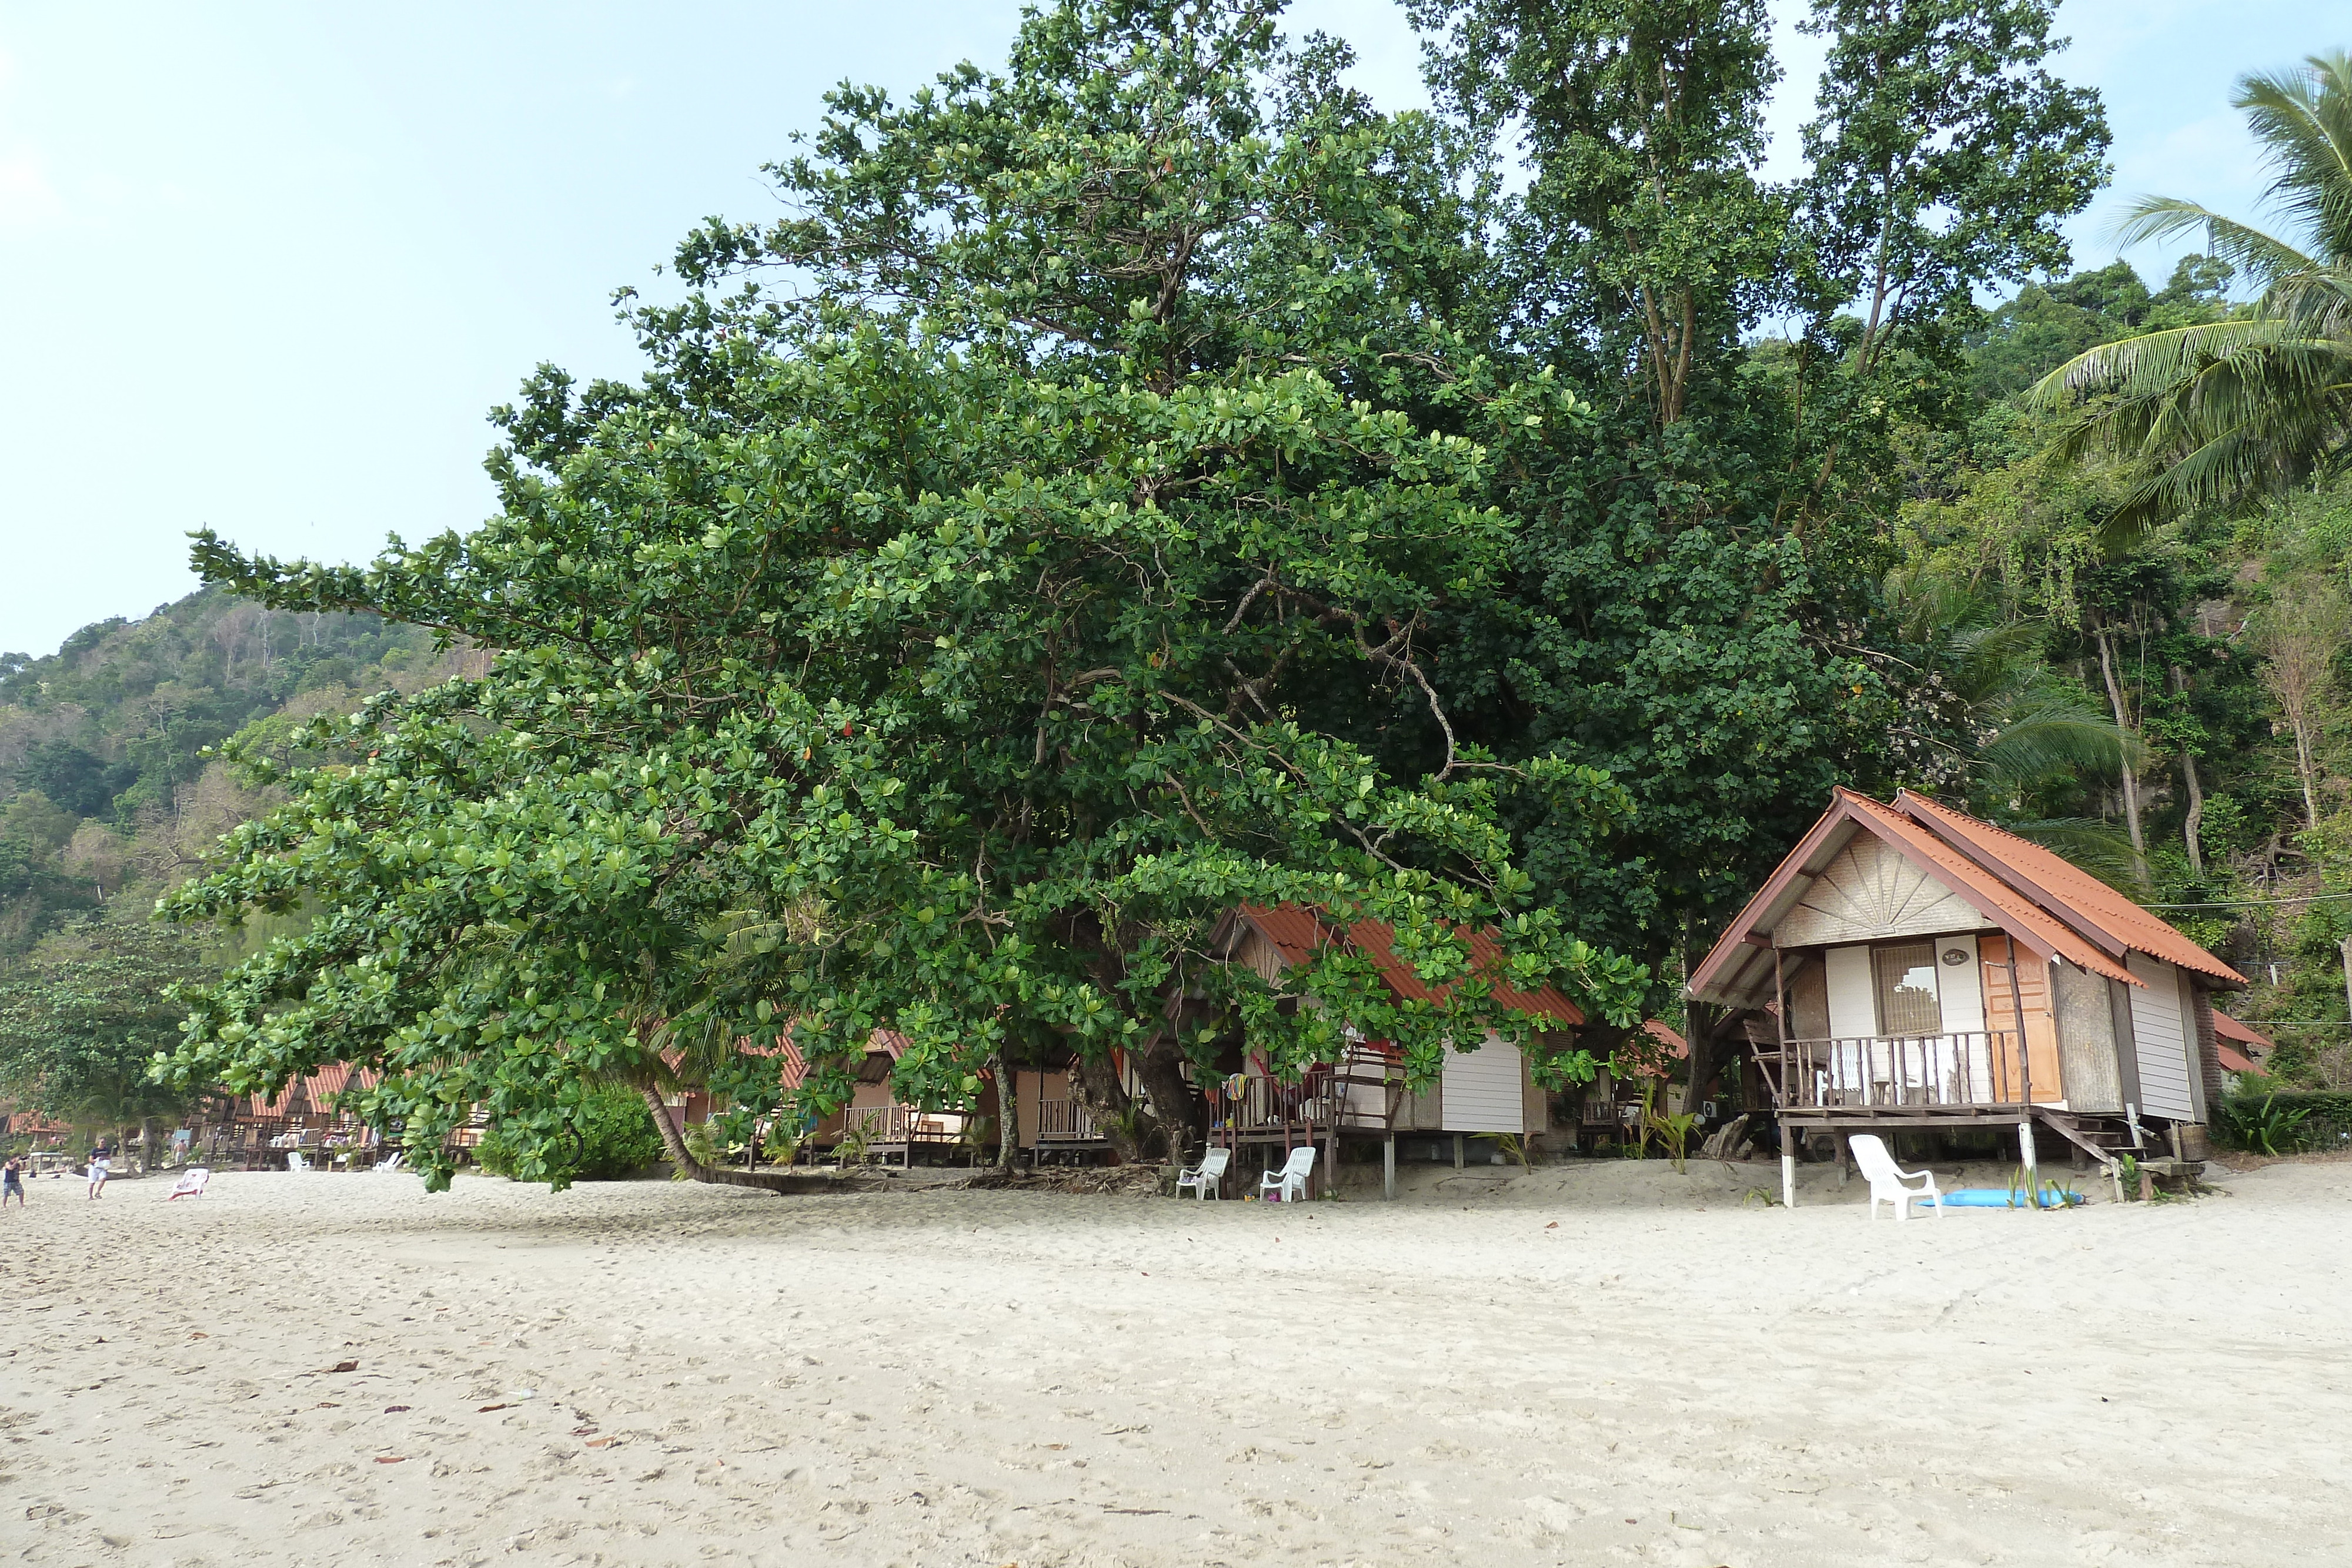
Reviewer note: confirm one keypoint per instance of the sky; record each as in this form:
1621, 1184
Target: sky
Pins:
266, 267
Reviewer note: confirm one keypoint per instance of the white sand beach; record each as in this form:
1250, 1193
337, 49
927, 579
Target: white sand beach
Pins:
1593, 1364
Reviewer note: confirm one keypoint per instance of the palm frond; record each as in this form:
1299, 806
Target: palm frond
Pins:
2152, 363
2260, 256
2303, 120
2051, 738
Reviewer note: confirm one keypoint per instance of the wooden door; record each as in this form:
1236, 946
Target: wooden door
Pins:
2004, 1007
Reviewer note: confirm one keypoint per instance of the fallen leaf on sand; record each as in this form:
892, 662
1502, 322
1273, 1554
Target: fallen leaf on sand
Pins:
325, 1404
599, 1442
393, 1409
392, 1458
487, 1408
200, 1334
1553, 1226
344, 1366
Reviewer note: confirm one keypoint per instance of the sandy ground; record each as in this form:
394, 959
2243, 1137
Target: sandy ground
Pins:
1595, 1364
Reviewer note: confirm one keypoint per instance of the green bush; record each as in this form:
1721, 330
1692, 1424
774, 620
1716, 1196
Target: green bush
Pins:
610, 1134
2285, 1121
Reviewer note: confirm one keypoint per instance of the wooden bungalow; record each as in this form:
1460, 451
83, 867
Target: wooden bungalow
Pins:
876, 1120
1485, 1092
1910, 966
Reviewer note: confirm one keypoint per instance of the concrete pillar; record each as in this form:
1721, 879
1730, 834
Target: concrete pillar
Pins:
2032, 1173
1387, 1167
1457, 1151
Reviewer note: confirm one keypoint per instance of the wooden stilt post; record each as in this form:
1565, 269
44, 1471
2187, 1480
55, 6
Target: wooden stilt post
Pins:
1387, 1167
1457, 1151
2026, 1152
1788, 1168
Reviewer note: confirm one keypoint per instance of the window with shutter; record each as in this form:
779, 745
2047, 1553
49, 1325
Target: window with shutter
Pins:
1906, 982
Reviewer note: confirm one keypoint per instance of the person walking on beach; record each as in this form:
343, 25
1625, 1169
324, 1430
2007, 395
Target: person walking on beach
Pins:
12, 1181
98, 1170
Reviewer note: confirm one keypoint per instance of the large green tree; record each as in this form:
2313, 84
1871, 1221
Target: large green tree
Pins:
944, 649
82, 1020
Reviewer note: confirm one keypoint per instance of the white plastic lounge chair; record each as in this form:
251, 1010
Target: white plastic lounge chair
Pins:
1208, 1176
393, 1162
192, 1183
1288, 1184
1887, 1178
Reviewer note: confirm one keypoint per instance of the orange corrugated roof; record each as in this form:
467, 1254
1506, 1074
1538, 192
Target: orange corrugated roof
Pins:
328, 1079
2232, 1059
2229, 1028
1297, 931
1676, 1046
2088, 899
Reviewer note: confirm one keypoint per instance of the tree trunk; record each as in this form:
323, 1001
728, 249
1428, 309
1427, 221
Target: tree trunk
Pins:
1008, 1113
2123, 722
1098, 1087
2303, 770
1182, 1113
2195, 820
1699, 1035
718, 1176
148, 1137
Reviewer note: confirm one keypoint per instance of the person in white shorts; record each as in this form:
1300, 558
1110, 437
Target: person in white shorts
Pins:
96, 1176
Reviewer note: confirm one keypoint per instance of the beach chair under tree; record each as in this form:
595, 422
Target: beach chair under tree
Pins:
1288, 1184
1207, 1178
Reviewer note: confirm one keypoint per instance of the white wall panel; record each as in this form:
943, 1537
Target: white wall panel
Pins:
1481, 1089
2159, 1040
1853, 1010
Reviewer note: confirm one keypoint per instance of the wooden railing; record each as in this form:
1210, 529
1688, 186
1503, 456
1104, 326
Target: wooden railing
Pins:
1064, 1122
901, 1124
1364, 1092
1983, 1067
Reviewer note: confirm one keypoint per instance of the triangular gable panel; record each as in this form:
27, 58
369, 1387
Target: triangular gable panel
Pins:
1870, 891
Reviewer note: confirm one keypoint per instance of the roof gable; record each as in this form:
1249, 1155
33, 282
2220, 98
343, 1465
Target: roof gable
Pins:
1739, 971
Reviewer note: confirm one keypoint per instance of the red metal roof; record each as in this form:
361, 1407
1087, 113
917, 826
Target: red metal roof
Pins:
1297, 931
2229, 1028
2083, 896
2232, 1061
317, 1085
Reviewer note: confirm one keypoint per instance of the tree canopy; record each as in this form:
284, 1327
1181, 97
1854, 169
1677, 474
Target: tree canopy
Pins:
948, 666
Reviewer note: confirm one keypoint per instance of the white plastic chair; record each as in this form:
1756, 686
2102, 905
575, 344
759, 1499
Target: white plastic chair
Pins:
295, 1162
1289, 1184
1887, 1178
1206, 1178
393, 1164
192, 1183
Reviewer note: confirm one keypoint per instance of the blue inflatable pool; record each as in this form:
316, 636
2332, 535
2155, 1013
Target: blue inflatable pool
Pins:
2002, 1198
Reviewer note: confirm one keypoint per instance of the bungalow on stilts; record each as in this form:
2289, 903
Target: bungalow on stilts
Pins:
1486, 1091
1910, 966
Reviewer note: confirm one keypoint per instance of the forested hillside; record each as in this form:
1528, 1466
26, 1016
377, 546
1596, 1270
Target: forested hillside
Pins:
108, 798
1148, 478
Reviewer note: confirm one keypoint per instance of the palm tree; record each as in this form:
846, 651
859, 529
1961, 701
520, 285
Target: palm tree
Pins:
2024, 727
2226, 413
